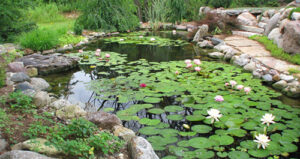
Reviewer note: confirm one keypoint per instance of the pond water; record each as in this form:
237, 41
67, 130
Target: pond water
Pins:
173, 107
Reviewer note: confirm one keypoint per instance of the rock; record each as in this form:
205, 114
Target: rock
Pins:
291, 37
267, 77
252, 29
293, 4
39, 145
293, 92
287, 78
205, 44
41, 99
181, 27
140, 148
204, 10
58, 104
123, 132
272, 24
18, 154
39, 84
65, 48
247, 18
293, 84
241, 60
233, 12
203, 31
24, 86
16, 67
104, 120
48, 51
257, 73
20, 77
47, 64
3, 145
216, 41
280, 85
250, 66
244, 33
262, 24
296, 16
216, 55
29, 92
264, 20
285, 13
276, 36
271, 12
32, 71
70, 112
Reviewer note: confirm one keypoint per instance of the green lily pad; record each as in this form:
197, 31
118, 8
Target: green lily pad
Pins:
200, 142
173, 109
149, 131
259, 153
238, 155
150, 122
202, 129
222, 139
175, 117
195, 117
156, 111
152, 100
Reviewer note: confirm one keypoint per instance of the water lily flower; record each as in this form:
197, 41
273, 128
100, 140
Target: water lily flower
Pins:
186, 126
219, 98
107, 55
226, 84
197, 69
262, 140
239, 87
214, 114
197, 61
100, 59
152, 39
247, 90
97, 53
98, 50
141, 36
268, 119
232, 83
121, 39
177, 72
189, 65
143, 85
174, 31
80, 51
187, 61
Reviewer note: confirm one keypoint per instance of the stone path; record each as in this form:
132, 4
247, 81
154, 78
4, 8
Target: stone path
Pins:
255, 49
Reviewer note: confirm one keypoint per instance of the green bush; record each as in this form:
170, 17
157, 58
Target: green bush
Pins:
275, 51
40, 39
13, 21
107, 15
2, 76
45, 13
17, 100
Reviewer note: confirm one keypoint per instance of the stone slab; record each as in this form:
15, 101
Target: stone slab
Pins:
277, 64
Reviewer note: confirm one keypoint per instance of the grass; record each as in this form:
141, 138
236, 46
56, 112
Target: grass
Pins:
293, 71
45, 13
275, 51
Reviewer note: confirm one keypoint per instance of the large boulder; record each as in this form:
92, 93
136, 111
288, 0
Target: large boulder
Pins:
291, 37
104, 120
280, 85
24, 86
39, 84
20, 77
241, 60
276, 36
41, 99
272, 23
203, 31
18, 154
140, 148
70, 112
204, 10
216, 55
58, 104
247, 18
16, 67
124, 133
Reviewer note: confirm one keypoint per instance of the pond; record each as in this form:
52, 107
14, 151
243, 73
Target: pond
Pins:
146, 82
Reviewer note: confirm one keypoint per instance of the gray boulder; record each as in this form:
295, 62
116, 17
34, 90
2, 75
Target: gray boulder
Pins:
216, 55
247, 18
276, 36
41, 99
39, 84
272, 24
58, 104
104, 120
205, 44
204, 10
267, 77
16, 67
3, 144
140, 148
241, 60
18, 154
296, 16
70, 112
251, 66
20, 77
291, 37
288, 78
203, 31
216, 41
124, 133
24, 86
280, 85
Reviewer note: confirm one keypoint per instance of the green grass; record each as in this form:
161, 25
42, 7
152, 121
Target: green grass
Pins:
293, 71
275, 51
45, 13
292, 11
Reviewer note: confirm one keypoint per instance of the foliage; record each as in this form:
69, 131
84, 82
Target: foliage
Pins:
293, 70
3, 118
69, 39
292, 11
97, 15
17, 100
177, 10
275, 51
45, 13
13, 21
158, 12
69, 5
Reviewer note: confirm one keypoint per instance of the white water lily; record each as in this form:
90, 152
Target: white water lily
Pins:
152, 39
214, 114
186, 126
268, 119
262, 140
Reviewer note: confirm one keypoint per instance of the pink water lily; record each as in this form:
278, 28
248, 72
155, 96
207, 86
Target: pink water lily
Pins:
80, 51
107, 55
247, 90
177, 72
226, 84
187, 61
197, 69
197, 61
98, 50
189, 65
143, 85
219, 98
239, 87
232, 83
97, 53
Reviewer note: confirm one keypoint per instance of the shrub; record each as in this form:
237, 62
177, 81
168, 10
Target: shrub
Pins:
107, 15
45, 13
17, 100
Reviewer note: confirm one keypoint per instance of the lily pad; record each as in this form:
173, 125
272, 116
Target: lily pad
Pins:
175, 117
156, 111
202, 129
222, 139
238, 155
200, 142
149, 131
173, 108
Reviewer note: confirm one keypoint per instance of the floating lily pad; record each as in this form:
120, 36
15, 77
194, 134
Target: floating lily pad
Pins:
150, 122
187, 133
200, 142
156, 111
152, 100
238, 155
149, 131
259, 153
222, 139
175, 117
195, 117
173, 108
202, 129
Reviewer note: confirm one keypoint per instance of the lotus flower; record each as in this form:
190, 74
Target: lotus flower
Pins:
214, 114
239, 87
219, 98
187, 61
189, 65
197, 69
121, 39
80, 51
177, 72
186, 126
232, 83
262, 140
143, 85
247, 90
107, 55
152, 39
268, 119
197, 61
141, 36
226, 84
